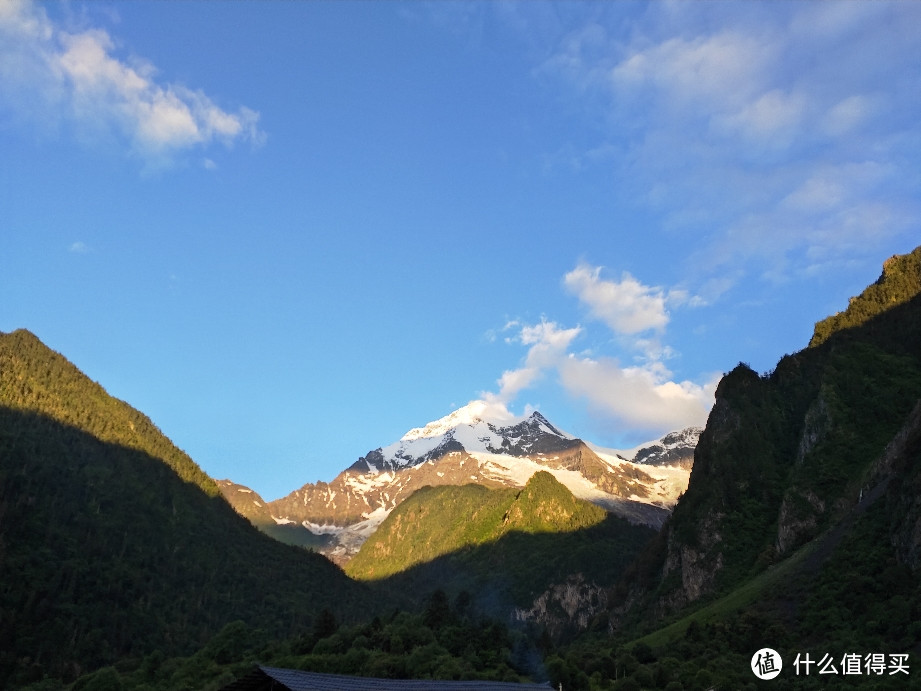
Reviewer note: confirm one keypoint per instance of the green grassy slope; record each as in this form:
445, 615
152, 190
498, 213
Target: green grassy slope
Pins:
842, 593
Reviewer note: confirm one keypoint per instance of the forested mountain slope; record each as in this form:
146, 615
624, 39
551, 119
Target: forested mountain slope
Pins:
114, 544
786, 454
801, 526
436, 521
535, 555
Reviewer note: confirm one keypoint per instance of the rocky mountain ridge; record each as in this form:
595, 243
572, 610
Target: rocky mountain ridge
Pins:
472, 445
789, 455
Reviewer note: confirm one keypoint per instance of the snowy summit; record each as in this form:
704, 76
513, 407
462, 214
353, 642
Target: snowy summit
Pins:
482, 443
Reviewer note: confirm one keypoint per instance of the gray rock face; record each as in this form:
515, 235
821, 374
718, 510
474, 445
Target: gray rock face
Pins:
900, 464
565, 606
798, 518
697, 564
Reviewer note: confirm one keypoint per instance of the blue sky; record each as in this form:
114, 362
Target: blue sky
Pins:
289, 232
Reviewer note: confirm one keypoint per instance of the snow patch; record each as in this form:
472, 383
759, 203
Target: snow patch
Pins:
670, 483
351, 537
472, 413
615, 454
325, 529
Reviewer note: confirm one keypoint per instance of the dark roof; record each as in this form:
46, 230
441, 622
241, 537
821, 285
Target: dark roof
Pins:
278, 679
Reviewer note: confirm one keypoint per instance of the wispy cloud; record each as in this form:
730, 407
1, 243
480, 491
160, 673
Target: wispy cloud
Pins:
547, 345
721, 72
766, 122
48, 72
753, 128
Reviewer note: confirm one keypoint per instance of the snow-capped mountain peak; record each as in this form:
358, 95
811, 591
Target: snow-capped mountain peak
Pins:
470, 414
485, 444
670, 450
478, 427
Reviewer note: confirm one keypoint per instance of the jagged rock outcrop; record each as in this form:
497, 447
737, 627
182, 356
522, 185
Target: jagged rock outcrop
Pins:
567, 606
695, 564
798, 518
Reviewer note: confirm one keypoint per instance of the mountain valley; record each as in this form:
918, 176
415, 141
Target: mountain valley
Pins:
477, 547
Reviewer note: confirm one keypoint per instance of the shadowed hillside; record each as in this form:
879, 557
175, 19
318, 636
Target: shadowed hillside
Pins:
113, 543
787, 454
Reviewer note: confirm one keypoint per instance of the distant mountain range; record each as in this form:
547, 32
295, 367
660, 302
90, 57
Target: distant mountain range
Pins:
472, 445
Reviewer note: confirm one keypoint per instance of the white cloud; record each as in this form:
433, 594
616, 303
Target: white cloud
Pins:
626, 306
637, 398
629, 308
79, 247
46, 69
546, 340
512, 382
643, 396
